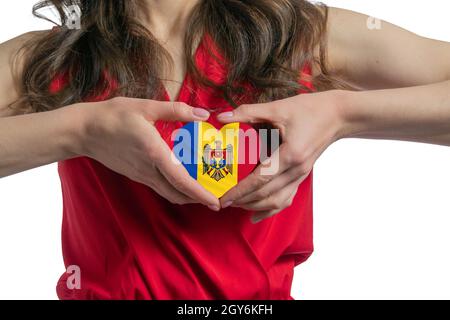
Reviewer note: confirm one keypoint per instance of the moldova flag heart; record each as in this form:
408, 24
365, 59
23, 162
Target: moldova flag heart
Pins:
217, 159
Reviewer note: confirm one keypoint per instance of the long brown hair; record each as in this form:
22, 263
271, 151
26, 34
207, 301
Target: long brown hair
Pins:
265, 43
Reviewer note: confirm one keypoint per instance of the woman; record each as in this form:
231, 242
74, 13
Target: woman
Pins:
102, 101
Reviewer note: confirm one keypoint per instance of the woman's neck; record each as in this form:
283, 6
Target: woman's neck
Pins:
167, 19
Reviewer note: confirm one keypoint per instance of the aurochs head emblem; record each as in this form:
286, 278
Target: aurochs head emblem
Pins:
217, 162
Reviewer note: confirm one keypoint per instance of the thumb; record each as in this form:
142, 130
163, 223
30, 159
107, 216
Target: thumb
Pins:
179, 111
248, 113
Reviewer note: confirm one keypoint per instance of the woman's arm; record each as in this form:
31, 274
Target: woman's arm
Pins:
420, 114
10, 64
119, 133
25, 142
370, 59
29, 141
379, 55
375, 55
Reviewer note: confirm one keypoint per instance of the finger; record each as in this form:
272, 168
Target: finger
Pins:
277, 201
290, 175
273, 186
265, 214
175, 111
180, 179
262, 215
263, 174
167, 191
248, 113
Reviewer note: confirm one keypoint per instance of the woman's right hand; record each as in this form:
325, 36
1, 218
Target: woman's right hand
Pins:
120, 133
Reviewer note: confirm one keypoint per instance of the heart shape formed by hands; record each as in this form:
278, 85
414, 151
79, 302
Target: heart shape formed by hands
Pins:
217, 159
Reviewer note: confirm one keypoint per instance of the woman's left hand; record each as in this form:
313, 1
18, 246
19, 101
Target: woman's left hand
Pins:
308, 124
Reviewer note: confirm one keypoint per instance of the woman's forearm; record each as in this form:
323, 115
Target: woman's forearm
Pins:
118, 133
33, 140
420, 114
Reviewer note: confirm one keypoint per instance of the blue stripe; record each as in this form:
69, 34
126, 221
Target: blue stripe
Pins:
186, 146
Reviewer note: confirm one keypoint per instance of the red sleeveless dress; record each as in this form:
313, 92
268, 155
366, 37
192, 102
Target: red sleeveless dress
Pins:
129, 243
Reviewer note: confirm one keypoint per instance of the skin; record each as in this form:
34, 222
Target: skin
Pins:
404, 83
167, 21
138, 152
379, 62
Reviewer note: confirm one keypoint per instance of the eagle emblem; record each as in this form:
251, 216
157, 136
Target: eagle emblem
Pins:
218, 161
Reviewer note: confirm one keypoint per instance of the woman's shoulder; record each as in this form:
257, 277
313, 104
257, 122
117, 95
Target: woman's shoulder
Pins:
18, 41
12, 56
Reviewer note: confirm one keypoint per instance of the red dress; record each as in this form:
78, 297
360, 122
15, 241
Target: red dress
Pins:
130, 243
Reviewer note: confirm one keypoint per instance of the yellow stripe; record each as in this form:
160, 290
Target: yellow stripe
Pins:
208, 135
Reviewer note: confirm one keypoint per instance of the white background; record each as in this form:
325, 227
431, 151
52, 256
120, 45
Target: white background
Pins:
382, 209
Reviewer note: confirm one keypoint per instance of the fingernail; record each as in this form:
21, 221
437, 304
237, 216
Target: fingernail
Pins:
266, 162
214, 208
201, 113
227, 204
225, 115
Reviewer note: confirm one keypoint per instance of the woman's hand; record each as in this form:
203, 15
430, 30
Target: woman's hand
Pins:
308, 124
120, 133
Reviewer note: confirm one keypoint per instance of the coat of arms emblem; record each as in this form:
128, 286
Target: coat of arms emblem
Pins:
217, 161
